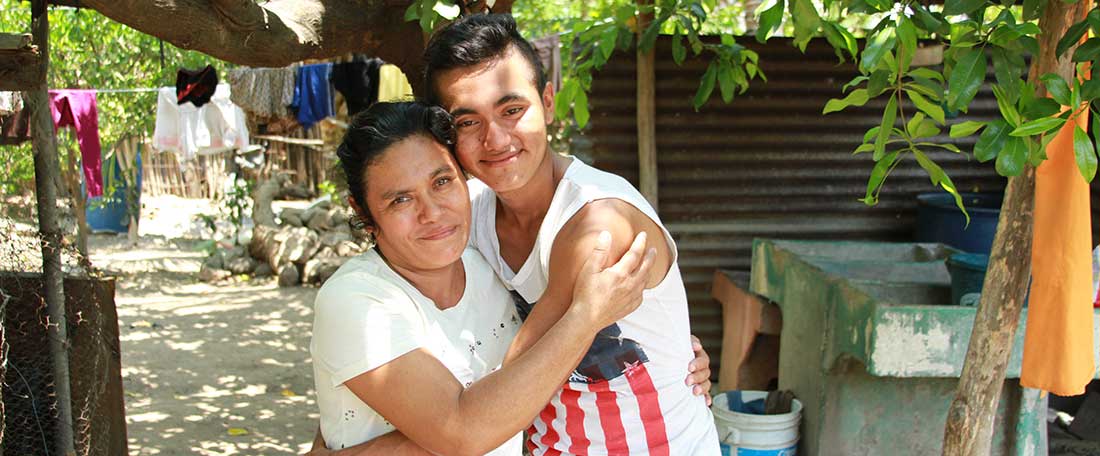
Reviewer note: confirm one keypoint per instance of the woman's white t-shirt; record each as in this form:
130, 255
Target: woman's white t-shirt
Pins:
367, 315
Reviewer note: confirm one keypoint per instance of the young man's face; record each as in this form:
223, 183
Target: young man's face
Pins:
501, 119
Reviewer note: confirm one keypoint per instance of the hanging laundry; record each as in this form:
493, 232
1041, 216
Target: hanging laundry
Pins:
10, 103
392, 84
263, 92
358, 82
312, 96
77, 109
549, 50
187, 130
196, 86
15, 128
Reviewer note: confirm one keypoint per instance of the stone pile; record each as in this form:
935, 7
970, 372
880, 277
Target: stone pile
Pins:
300, 246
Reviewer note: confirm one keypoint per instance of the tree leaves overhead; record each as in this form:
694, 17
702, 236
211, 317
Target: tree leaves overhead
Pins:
1084, 153
966, 78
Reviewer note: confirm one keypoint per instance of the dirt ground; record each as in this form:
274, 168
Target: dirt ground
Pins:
207, 369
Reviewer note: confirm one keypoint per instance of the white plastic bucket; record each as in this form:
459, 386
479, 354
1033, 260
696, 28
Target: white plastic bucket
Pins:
746, 434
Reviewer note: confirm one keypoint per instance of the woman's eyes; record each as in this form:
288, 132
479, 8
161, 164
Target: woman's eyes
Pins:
513, 111
443, 181
466, 123
400, 200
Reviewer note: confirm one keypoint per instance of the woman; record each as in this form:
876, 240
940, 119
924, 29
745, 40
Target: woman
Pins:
409, 336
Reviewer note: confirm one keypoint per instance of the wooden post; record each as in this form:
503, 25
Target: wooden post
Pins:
647, 114
969, 429
46, 172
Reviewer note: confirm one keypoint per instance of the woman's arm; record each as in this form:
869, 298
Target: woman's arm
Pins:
427, 404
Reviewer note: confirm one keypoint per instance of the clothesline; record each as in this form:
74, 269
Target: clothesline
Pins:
136, 90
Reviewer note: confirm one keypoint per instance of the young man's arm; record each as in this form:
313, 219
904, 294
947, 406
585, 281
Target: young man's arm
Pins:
568, 254
571, 246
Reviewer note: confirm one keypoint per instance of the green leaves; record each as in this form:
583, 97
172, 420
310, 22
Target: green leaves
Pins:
841, 39
806, 22
878, 176
1072, 36
1011, 159
770, 17
726, 82
966, 78
933, 110
991, 141
964, 129
580, 108
877, 46
1057, 88
858, 97
940, 178
887, 126
607, 41
706, 86
564, 98
1084, 153
957, 7
1087, 51
1038, 126
679, 52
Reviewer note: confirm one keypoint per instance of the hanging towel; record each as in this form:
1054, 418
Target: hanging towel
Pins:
196, 86
312, 96
392, 84
77, 109
263, 92
15, 128
10, 103
358, 82
1058, 345
187, 130
549, 50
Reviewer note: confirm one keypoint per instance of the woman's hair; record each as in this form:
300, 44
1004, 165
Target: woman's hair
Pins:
380, 126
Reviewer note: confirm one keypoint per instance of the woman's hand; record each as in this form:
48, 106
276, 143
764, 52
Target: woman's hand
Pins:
605, 296
699, 370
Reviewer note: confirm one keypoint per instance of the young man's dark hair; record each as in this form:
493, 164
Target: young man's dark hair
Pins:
473, 40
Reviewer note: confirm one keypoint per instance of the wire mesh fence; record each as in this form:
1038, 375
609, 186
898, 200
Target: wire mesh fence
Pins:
30, 405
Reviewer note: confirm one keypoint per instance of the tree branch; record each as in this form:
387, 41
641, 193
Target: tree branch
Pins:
278, 32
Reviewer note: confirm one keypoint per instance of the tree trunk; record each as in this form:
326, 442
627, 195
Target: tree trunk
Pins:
969, 429
647, 114
46, 170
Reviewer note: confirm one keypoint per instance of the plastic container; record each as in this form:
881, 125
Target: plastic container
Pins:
967, 276
112, 216
743, 429
939, 220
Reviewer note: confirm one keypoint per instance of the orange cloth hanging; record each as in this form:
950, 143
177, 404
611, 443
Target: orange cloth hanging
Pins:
1058, 345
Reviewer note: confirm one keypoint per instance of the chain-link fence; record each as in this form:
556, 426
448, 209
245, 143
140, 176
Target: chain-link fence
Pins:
30, 403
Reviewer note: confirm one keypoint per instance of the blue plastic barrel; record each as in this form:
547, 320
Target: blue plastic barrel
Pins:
113, 216
939, 220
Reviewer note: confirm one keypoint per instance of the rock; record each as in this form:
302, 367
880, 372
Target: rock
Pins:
334, 238
318, 270
263, 195
300, 245
319, 222
288, 276
230, 254
298, 191
348, 248
209, 274
215, 261
241, 265
291, 211
337, 217
342, 228
325, 252
263, 270
319, 207
292, 220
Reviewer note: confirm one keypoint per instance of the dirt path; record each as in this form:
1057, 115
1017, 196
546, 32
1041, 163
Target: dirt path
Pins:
211, 370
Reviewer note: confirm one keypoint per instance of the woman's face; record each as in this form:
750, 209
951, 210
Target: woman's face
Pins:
419, 204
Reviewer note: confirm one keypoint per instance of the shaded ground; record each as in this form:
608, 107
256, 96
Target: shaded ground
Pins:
207, 369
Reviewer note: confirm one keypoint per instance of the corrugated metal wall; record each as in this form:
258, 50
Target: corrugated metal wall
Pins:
767, 165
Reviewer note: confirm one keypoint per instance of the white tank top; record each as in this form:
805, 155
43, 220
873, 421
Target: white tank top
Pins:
628, 395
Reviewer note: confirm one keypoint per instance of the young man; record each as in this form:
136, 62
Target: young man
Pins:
536, 215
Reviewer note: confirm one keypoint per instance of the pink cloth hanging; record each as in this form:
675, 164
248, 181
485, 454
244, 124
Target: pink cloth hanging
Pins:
77, 109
